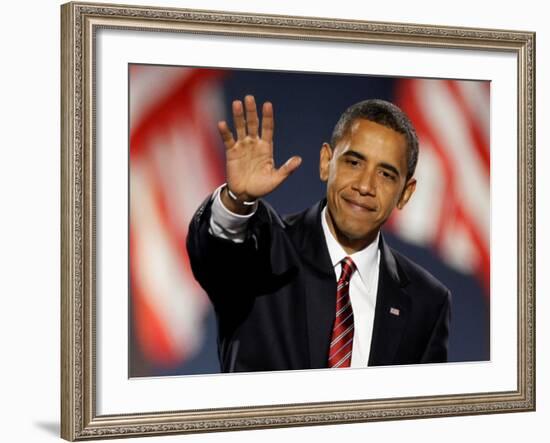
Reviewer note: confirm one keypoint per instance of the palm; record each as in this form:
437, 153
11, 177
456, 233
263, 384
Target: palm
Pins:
250, 169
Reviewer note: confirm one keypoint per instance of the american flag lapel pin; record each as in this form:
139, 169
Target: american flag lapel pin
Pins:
394, 311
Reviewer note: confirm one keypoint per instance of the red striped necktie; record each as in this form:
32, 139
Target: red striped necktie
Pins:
341, 342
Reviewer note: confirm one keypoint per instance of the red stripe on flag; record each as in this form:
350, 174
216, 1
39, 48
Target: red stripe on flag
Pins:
164, 112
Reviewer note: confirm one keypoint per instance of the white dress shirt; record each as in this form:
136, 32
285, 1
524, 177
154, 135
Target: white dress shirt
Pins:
364, 281
362, 290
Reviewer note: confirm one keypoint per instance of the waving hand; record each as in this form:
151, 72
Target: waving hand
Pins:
250, 169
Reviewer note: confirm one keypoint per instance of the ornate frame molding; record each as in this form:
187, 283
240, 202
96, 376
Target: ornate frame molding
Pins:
78, 244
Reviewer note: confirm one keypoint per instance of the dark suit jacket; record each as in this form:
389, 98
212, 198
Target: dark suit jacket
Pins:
275, 296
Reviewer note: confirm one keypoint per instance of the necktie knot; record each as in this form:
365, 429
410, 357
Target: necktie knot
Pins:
348, 268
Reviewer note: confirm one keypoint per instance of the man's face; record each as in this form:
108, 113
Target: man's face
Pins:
366, 178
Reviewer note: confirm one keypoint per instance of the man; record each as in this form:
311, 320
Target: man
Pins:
320, 288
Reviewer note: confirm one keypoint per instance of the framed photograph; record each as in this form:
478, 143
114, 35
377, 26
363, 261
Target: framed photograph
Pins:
164, 332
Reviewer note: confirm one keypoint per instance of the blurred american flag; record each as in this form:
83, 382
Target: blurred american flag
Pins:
172, 151
450, 208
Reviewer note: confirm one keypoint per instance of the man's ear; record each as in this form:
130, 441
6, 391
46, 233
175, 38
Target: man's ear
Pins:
324, 161
407, 193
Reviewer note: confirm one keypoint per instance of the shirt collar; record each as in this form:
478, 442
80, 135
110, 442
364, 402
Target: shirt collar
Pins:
365, 260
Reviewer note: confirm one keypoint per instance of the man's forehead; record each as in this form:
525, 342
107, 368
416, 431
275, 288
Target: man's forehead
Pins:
362, 129
361, 123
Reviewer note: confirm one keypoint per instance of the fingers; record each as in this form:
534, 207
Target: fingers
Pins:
245, 119
267, 122
238, 119
251, 115
226, 134
288, 168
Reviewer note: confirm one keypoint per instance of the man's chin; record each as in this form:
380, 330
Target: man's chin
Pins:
359, 236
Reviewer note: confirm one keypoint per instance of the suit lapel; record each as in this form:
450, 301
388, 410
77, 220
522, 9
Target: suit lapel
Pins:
320, 292
320, 309
391, 312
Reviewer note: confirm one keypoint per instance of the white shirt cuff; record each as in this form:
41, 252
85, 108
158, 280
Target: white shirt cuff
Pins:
226, 224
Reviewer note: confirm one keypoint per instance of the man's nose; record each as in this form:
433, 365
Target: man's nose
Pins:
366, 183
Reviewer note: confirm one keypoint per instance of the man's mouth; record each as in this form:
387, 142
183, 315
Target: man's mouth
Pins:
359, 206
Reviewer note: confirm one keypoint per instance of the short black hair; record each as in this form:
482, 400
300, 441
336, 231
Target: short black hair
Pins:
385, 114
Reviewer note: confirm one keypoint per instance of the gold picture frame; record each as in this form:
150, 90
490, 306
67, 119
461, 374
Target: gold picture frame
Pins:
80, 22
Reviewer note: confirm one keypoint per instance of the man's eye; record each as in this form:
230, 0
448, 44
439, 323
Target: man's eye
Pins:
387, 175
352, 162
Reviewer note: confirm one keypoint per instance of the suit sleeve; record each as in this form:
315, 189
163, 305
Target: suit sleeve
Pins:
437, 348
225, 269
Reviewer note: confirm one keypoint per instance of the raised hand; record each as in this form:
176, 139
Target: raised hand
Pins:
250, 169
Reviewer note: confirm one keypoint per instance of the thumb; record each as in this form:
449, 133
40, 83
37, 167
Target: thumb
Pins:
288, 168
